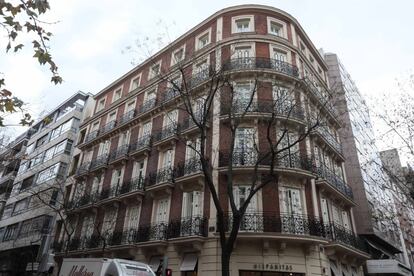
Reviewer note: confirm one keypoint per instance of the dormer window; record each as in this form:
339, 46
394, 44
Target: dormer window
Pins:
155, 70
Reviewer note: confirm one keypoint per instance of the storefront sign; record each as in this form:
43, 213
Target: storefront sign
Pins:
274, 267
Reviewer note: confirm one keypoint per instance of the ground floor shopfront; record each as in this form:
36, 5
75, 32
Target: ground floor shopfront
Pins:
252, 256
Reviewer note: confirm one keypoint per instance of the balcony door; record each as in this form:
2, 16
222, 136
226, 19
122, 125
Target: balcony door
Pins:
146, 129
116, 179
283, 100
132, 221
97, 184
244, 147
242, 96
279, 55
192, 213
289, 148
161, 219
292, 218
124, 138
109, 222
171, 118
168, 159
252, 220
138, 170
104, 148
243, 54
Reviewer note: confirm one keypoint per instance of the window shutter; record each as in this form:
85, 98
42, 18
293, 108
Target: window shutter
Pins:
345, 220
325, 214
236, 195
197, 200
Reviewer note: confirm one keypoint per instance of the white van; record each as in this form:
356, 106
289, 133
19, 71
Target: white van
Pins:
103, 267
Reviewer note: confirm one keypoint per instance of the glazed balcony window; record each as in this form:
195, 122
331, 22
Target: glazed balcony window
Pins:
192, 204
109, 221
240, 193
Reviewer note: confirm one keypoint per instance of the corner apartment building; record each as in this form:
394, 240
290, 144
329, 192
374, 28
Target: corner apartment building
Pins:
10, 158
377, 221
403, 199
27, 219
140, 194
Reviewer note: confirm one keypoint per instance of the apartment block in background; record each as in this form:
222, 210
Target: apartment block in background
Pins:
402, 191
375, 214
28, 216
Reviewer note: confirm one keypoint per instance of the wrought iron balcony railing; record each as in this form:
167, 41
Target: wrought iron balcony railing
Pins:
127, 117
107, 127
147, 105
198, 78
120, 152
190, 226
345, 236
92, 135
258, 63
190, 166
169, 94
142, 143
250, 157
166, 132
277, 109
152, 232
334, 180
329, 138
294, 224
135, 184
83, 168
322, 95
98, 162
108, 193
164, 175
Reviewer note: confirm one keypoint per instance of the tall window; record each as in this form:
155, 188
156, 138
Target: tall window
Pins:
132, 217
168, 158
192, 147
250, 220
146, 129
244, 149
104, 148
291, 201
97, 184
138, 171
109, 222
111, 117
116, 177
171, 117
124, 138
287, 144
242, 96
192, 204
161, 215
88, 226
324, 210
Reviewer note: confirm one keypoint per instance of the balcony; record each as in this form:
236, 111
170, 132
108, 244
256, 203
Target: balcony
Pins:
188, 227
83, 169
189, 174
92, 135
127, 117
298, 228
248, 158
132, 187
99, 162
168, 95
260, 108
189, 126
166, 134
146, 106
154, 232
322, 95
198, 78
141, 146
257, 63
107, 127
341, 235
120, 154
161, 180
329, 140
107, 194
334, 184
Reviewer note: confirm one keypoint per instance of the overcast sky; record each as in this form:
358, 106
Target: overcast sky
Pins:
374, 40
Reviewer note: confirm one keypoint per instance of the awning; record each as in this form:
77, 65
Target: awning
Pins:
334, 268
155, 263
189, 262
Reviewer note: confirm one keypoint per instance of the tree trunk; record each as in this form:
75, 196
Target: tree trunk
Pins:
225, 262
